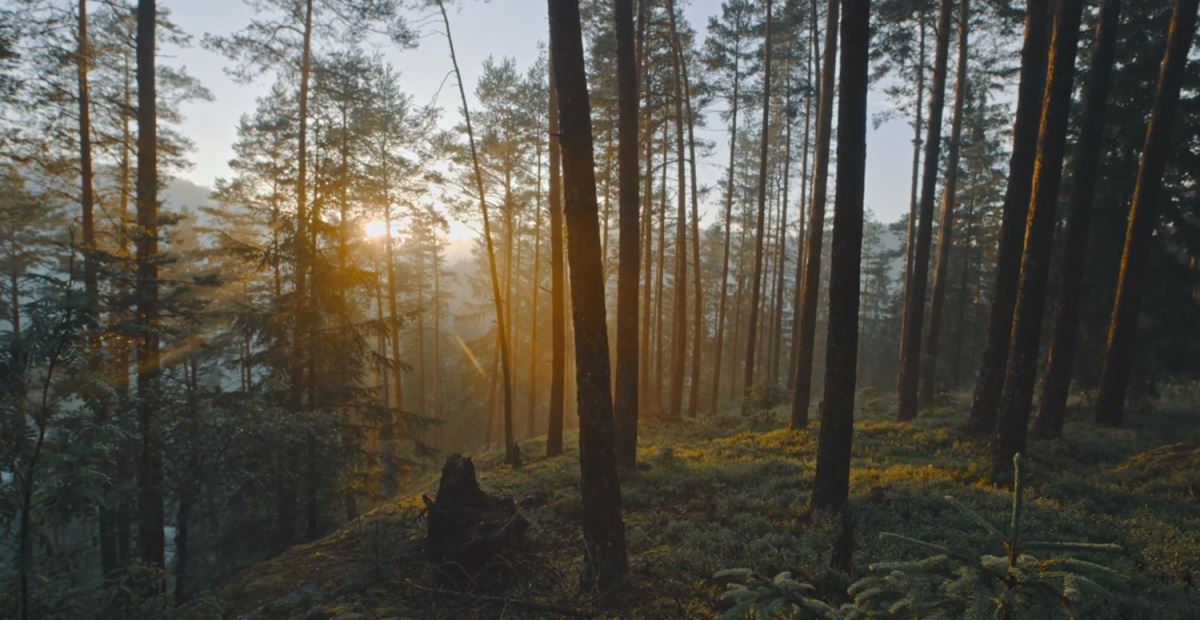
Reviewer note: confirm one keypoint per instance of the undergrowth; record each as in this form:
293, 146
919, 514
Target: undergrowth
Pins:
733, 492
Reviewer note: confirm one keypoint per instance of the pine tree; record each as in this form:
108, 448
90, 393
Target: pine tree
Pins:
811, 283
606, 564
1047, 424
990, 380
914, 302
832, 480
1110, 402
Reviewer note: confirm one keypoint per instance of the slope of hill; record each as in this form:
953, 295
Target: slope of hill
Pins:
732, 492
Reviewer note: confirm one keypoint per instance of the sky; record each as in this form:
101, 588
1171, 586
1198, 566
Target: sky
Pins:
499, 28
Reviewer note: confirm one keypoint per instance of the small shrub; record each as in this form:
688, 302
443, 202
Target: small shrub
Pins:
952, 583
752, 595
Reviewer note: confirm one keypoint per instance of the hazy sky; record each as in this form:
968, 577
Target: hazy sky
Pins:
499, 28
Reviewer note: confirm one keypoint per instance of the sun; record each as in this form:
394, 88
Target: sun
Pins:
375, 229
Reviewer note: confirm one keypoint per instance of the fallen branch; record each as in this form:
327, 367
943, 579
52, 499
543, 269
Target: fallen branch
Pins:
562, 610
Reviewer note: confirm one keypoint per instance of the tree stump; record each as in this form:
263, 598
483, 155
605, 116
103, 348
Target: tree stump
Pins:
467, 527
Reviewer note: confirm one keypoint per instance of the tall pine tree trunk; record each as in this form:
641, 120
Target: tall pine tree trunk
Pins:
1048, 422
756, 279
389, 478
832, 480
811, 284
660, 272
990, 380
727, 222
150, 479
946, 221
781, 253
1131, 285
502, 334
106, 522
558, 318
698, 329
679, 315
625, 416
1017, 395
914, 303
535, 284
918, 125
812, 70
644, 363
606, 564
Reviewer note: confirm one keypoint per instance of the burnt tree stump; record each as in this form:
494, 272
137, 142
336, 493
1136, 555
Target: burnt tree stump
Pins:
467, 527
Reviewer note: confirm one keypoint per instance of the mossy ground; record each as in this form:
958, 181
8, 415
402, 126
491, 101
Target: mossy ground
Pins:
733, 492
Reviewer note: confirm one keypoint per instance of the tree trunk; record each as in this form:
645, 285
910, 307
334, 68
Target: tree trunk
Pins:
660, 274
625, 416
698, 329
812, 69
756, 283
1131, 285
918, 124
505, 363
1048, 422
737, 304
644, 363
914, 303
1017, 395
106, 524
679, 325
832, 480
811, 283
301, 245
718, 353
990, 381
558, 327
535, 283
150, 525
389, 478
781, 252
182, 548
946, 221
606, 564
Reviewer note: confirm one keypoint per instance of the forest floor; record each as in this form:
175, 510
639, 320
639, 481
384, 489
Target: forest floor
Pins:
733, 492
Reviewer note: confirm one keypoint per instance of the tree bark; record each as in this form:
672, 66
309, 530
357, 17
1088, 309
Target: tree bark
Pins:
918, 124
990, 380
625, 416
535, 284
946, 221
832, 480
698, 329
781, 252
811, 284
679, 325
813, 70
914, 303
150, 524
606, 564
1131, 285
558, 318
756, 283
1048, 422
1017, 395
